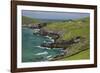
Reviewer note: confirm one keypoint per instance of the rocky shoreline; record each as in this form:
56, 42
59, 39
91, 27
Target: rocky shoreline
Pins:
64, 44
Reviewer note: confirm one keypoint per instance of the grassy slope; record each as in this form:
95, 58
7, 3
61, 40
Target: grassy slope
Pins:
73, 29
28, 20
79, 56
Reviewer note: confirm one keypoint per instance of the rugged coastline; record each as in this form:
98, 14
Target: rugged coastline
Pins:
64, 44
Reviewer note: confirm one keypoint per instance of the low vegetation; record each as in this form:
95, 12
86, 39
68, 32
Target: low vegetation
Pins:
69, 30
27, 20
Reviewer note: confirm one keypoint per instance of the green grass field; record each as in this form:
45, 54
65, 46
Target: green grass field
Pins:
82, 55
71, 29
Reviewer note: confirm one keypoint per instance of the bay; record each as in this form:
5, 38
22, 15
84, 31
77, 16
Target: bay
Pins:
32, 50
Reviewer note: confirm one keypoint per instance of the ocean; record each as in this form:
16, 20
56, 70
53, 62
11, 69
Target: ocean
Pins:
32, 50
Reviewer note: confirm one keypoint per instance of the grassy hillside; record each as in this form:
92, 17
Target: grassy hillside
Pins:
28, 20
72, 29
79, 56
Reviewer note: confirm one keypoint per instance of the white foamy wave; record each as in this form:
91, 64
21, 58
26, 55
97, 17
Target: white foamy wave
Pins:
48, 48
36, 30
42, 47
39, 47
44, 41
47, 36
42, 53
52, 40
49, 56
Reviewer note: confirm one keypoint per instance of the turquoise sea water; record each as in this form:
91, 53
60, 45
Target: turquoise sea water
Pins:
31, 49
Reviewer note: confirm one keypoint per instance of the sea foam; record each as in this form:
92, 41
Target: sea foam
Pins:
42, 53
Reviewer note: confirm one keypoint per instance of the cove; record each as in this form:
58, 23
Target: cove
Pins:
31, 49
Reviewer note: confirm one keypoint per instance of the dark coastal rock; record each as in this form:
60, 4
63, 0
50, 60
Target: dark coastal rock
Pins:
62, 44
52, 34
37, 26
42, 25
